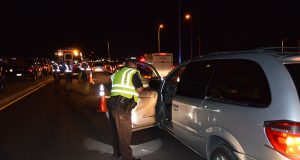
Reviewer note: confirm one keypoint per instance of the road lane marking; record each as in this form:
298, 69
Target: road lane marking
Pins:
14, 101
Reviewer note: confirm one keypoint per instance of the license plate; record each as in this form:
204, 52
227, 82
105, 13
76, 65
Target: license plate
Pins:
19, 74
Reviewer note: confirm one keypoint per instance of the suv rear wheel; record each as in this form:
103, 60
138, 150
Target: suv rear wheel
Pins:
222, 152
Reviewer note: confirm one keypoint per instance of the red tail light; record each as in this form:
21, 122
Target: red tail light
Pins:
147, 77
284, 137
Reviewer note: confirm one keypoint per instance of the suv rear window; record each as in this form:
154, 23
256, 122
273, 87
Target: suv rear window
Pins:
241, 82
294, 70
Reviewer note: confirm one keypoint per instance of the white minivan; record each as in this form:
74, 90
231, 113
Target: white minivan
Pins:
229, 105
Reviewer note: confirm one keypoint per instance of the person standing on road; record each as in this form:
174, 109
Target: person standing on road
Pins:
85, 72
55, 71
56, 76
126, 87
68, 74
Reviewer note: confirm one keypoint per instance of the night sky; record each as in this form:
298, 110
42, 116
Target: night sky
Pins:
39, 28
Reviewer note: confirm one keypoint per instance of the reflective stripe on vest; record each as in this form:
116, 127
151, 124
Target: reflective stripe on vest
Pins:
122, 83
68, 68
55, 67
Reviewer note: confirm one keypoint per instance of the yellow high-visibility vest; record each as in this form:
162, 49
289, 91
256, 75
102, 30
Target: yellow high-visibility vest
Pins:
122, 83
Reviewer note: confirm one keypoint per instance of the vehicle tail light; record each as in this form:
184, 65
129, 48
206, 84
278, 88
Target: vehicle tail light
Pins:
284, 137
147, 77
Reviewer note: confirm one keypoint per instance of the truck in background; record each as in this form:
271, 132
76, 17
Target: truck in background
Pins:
163, 62
72, 55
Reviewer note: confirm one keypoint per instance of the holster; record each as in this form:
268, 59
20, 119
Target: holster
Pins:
128, 103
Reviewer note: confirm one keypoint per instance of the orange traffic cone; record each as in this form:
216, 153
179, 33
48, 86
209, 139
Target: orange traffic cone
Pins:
91, 78
102, 102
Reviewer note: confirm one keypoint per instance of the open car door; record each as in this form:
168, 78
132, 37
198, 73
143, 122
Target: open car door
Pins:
143, 115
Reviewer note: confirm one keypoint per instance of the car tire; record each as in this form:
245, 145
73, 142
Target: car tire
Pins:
222, 152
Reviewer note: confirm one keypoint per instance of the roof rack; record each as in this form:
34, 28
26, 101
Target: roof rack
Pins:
280, 49
229, 52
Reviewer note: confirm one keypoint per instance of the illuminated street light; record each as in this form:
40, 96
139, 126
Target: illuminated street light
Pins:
161, 26
282, 44
188, 17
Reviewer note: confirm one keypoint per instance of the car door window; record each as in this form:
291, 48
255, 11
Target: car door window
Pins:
171, 84
147, 73
195, 79
242, 82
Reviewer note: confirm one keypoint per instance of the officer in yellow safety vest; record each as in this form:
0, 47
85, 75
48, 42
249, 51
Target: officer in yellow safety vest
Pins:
125, 89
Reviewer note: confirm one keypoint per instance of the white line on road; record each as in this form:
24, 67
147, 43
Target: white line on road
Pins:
14, 101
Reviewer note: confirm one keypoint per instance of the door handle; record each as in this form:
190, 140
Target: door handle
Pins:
175, 107
212, 110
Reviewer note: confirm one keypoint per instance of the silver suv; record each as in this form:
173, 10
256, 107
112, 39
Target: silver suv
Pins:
235, 105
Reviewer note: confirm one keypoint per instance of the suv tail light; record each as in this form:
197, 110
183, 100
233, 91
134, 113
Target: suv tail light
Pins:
284, 137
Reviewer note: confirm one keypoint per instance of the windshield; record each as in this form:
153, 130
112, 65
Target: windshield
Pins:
146, 71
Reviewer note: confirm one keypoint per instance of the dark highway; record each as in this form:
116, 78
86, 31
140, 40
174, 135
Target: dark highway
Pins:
49, 124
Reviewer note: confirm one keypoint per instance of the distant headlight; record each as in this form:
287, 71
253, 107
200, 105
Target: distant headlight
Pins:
10, 70
98, 69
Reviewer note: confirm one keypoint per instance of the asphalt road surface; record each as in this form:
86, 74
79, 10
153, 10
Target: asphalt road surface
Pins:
47, 125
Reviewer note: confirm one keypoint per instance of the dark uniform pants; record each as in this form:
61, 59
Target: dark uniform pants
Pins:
56, 77
68, 81
120, 118
86, 83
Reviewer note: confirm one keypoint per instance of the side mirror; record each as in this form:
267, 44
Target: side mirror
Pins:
155, 83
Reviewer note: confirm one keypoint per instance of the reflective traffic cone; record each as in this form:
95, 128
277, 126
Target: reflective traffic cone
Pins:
91, 78
102, 102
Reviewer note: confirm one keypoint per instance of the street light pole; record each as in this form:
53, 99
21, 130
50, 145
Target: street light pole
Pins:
189, 17
158, 36
108, 50
282, 44
179, 32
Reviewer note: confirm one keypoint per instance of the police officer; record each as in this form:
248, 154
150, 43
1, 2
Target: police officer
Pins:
85, 73
55, 71
68, 74
126, 86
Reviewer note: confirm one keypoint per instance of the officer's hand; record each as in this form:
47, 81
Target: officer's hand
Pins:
140, 90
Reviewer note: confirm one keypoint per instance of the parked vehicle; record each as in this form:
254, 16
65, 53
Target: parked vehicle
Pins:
231, 105
24, 68
163, 62
69, 55
99, 73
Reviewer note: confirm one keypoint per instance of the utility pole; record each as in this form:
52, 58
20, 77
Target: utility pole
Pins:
179, 32
108, 50
158, 36
199, 46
